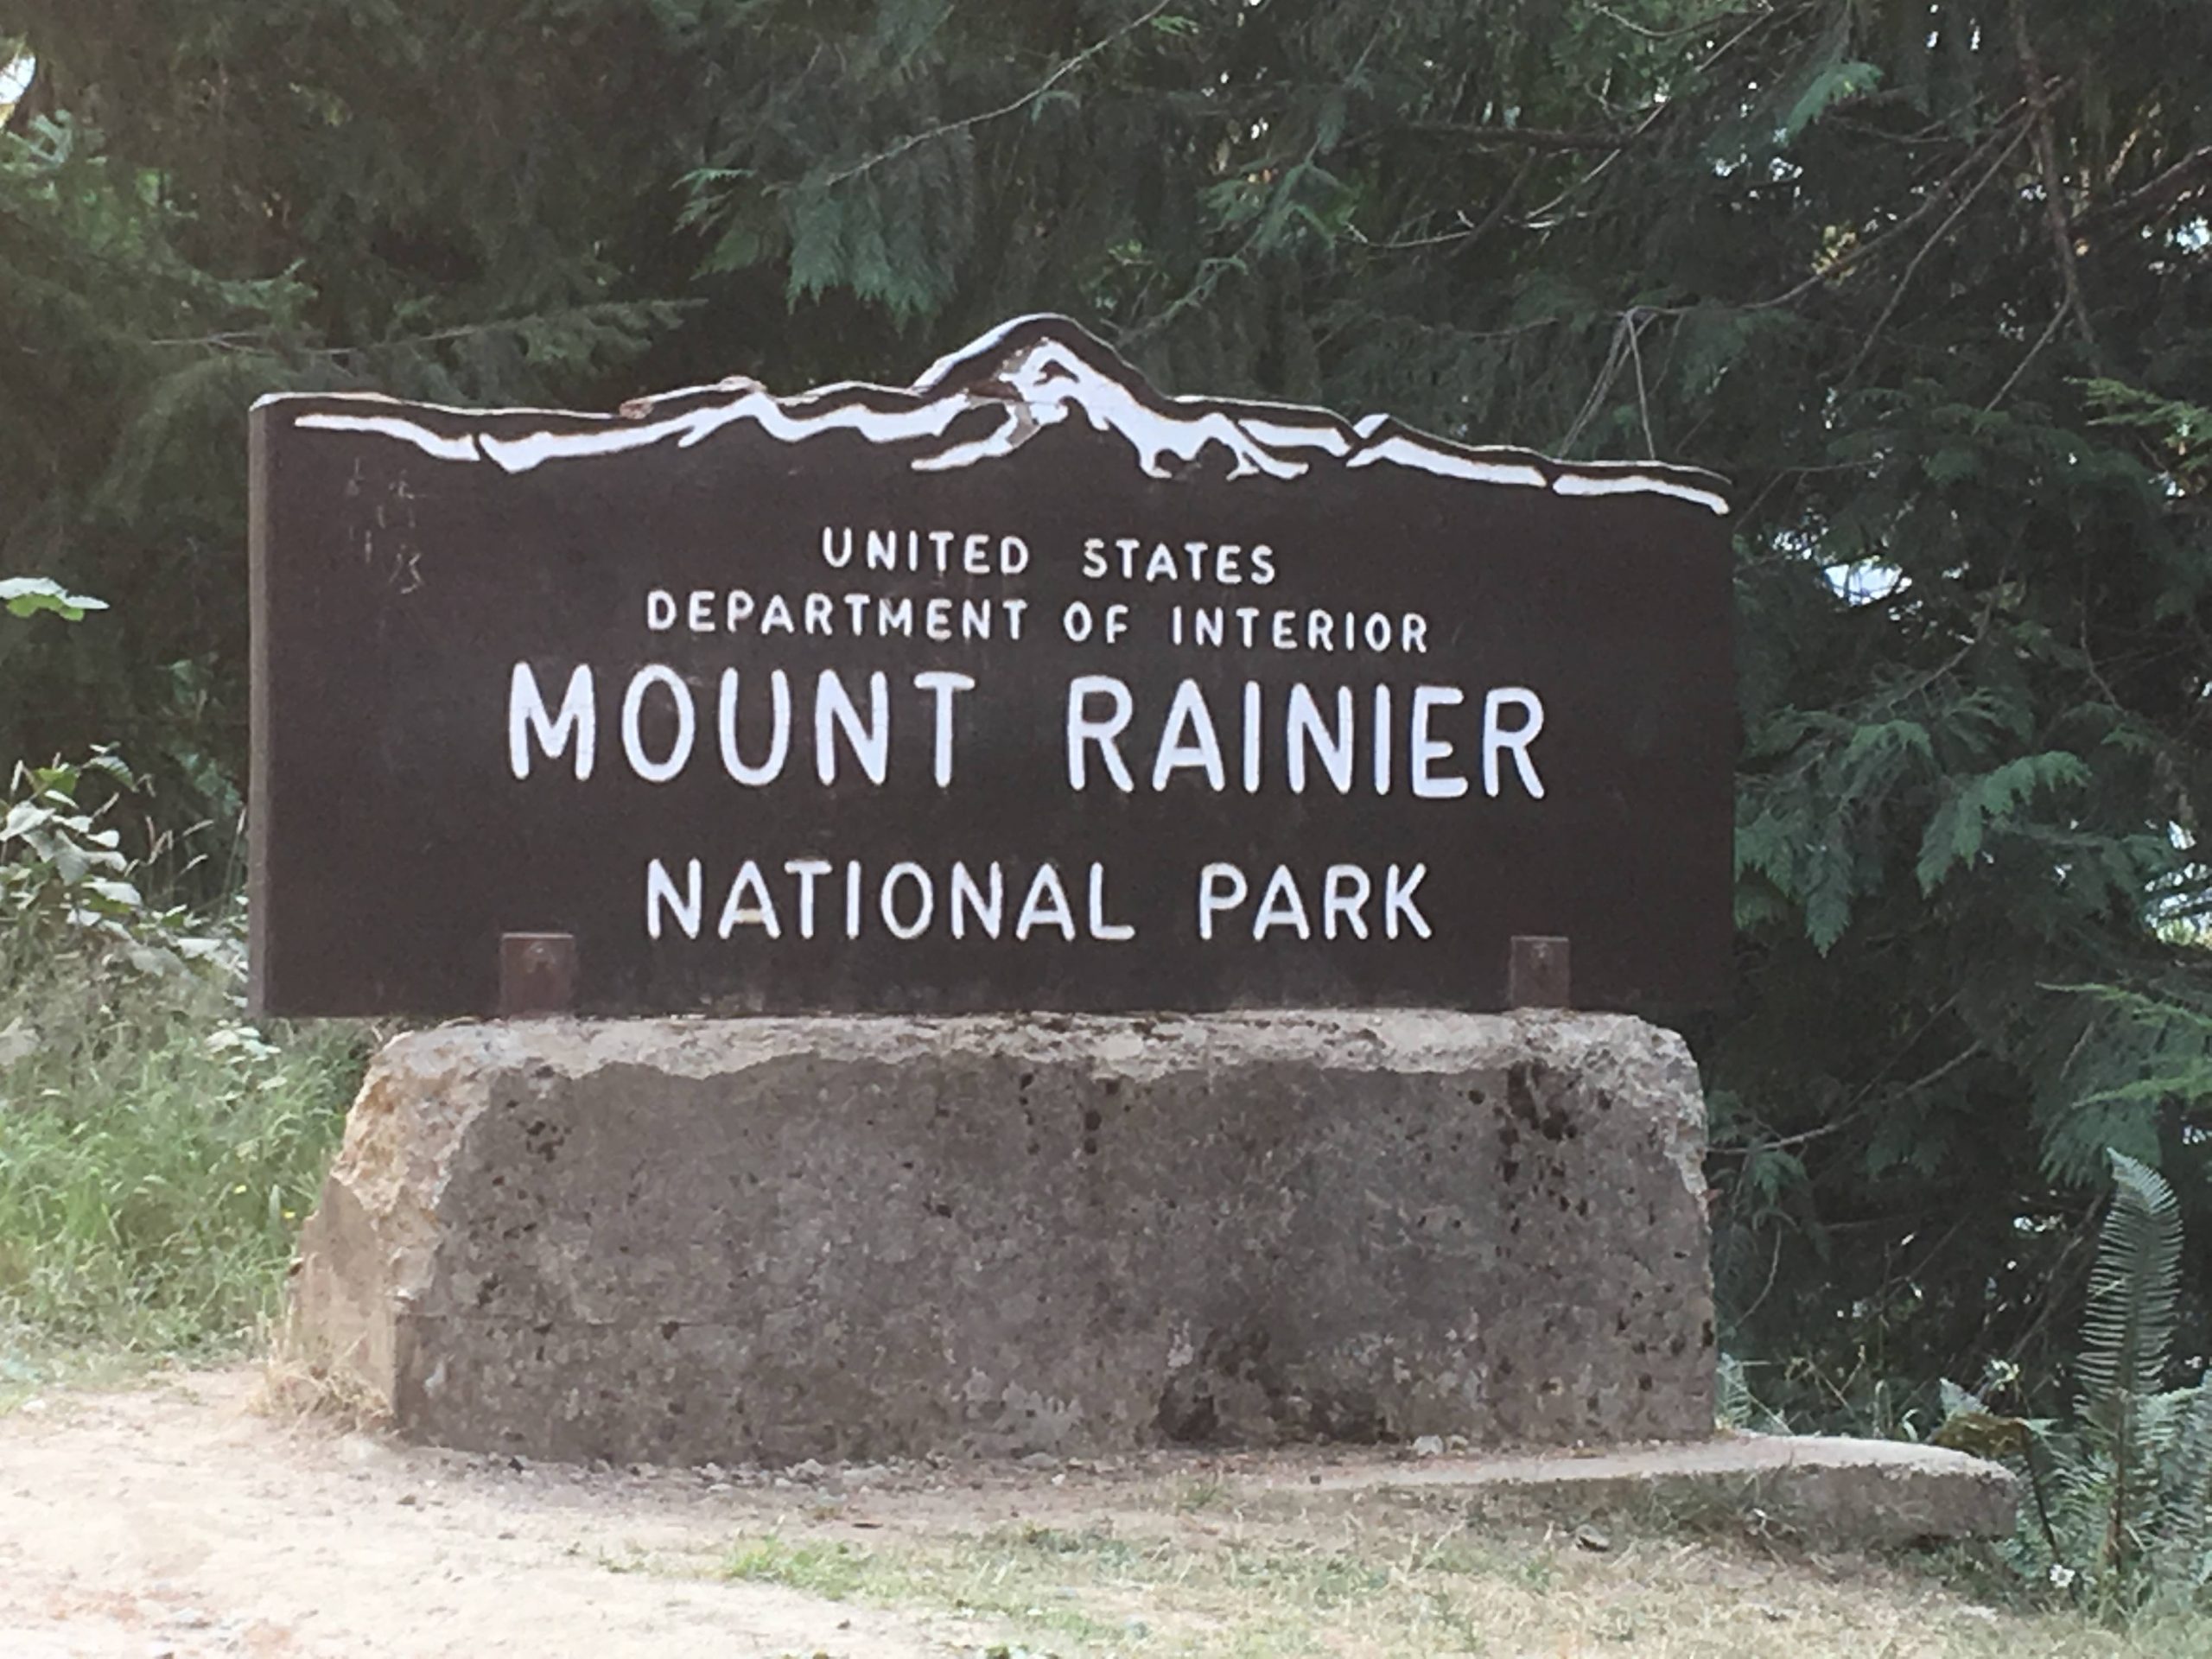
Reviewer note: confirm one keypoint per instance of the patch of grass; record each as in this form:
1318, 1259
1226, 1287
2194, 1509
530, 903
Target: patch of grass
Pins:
1193, 1496
836, 1571
156, 1155
1384, 1581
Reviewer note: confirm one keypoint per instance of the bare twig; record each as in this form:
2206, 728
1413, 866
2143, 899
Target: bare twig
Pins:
1773, 1266
1697, 27
1896, 294
1634, 135
2034, 352
1607, 373
1472, 232
1743, 34
946, 129
1553, 138
1935, 200
1625, 348
264, 341
2054, 194
2184, 179
1643, 402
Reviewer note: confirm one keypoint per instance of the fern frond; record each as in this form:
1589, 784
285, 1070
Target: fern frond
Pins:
2185, 1520
2128, 1331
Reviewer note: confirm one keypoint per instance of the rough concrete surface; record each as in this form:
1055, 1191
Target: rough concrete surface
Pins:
1863, 1493
678, 1241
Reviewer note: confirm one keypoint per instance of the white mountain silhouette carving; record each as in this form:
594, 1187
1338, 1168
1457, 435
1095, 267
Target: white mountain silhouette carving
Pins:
1029, 374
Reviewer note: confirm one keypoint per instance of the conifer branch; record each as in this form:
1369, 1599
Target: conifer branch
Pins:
946, 129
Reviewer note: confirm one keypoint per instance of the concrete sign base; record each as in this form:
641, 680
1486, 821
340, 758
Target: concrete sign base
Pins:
854, 1237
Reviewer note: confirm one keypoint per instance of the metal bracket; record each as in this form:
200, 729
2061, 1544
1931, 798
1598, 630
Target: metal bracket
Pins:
537, 974
1538, 972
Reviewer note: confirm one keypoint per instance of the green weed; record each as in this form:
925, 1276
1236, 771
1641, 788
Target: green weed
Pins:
834, 1572
158, 1151
156, 1154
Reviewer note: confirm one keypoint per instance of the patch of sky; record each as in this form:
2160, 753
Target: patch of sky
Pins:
1866, 581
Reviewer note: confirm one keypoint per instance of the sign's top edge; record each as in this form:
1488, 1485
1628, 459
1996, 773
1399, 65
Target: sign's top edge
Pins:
1034, 372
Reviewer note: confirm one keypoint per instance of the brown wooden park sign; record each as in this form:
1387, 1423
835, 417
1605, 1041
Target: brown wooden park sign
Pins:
1023, 688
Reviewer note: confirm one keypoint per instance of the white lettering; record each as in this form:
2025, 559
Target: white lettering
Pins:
1305, 731
941, 684
1282, 906
1497, 739
779, 739
888, 901
1201, 747
989, 912
760, 913
1100, 927
526, 715
687, 723
1398, 900
1423, 751
1048, 903
1252, 732
1382, 739
661, 893
1214, 896
1083, 729
1344, 893
808, 871
833, 710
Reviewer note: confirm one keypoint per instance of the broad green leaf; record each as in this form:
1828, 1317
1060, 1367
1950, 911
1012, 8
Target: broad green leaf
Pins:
1833, 85
23, 818
28, 595
118, 898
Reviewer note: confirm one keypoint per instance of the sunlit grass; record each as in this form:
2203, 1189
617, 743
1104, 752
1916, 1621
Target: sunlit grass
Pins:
156, 1156
1382, 1580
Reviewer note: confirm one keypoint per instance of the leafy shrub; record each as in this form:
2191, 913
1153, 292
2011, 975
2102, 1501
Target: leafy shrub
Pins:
156, 1151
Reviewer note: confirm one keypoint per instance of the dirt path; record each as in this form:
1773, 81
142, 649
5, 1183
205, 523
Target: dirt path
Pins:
183, 1521
180, 1520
